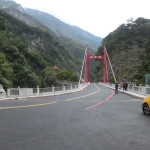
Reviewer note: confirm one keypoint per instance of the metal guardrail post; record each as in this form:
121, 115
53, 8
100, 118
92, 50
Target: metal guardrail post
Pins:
144, 90
53, 90
38, 92
132, 88
19, 90
145, 93
138, 90
79, 85
8, 92
63, 89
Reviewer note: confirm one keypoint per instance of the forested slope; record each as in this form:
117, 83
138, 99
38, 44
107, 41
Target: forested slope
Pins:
26, 52
129, 50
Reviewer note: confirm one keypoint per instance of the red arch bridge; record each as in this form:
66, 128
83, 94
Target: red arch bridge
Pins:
85, 65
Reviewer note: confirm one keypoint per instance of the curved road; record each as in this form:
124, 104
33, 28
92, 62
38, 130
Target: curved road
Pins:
93, 119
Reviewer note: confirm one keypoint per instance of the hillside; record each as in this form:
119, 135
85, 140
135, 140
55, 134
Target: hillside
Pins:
74, 47
129, 51
28, 54
18, 11
49, 23
62, 29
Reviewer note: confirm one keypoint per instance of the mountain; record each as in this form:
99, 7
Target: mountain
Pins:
4, 4
46, 21
61, 28
129, 50
19, 12
28, 53
75, 48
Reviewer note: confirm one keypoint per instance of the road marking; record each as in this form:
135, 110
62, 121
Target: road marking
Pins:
84, 95
112, 93
35, 105
94, 105
26, 106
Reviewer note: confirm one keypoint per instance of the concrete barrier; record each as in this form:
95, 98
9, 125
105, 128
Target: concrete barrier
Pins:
135, 91
17, 93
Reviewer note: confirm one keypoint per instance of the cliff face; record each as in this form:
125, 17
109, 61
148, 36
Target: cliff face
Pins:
73, 32
5, 4
19, 12
46, 21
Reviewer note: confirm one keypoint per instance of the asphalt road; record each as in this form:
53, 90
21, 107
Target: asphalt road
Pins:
93, 119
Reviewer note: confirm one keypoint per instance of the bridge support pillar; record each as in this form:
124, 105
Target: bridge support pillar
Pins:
87, 57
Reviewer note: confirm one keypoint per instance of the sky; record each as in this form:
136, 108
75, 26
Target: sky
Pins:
99, 17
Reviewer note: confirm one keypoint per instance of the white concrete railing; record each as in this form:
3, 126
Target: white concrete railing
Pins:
37, 92
140, 90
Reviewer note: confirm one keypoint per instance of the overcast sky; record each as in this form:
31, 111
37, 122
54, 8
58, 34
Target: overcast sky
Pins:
99, 17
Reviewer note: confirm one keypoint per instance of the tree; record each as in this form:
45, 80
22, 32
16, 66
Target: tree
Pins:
2, 24
6, 72
141, 20
67, 75
130, 20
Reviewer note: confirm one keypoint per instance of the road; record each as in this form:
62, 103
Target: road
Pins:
92, 119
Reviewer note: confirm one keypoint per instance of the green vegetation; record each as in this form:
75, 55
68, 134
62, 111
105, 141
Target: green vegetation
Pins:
26, 54
14, 68
129, 50
54, 48
67, 75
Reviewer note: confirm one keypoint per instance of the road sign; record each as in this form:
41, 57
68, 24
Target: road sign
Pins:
147, 76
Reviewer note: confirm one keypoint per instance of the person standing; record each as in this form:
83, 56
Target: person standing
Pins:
126, 86
119, 86
116, 88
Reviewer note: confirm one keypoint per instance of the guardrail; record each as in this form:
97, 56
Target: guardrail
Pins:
140, 90
37, 92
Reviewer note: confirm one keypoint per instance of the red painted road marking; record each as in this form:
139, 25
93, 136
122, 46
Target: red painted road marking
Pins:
94, 105
112, 93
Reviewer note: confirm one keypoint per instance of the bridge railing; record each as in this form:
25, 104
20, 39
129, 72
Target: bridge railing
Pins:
29, 92
140, 90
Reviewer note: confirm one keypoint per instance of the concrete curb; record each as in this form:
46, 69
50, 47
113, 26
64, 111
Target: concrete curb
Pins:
134, 95
128, 93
